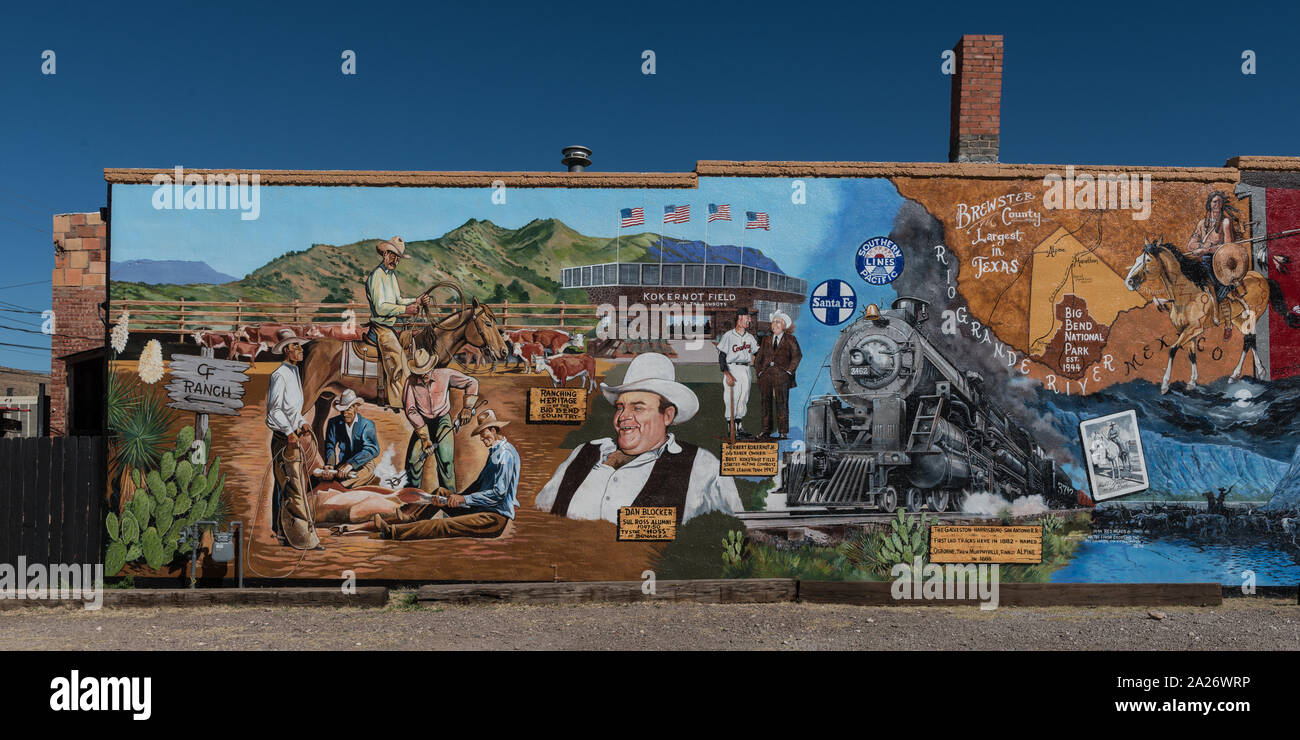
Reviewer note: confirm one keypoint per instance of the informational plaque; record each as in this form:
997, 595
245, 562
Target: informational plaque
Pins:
557, 405
647, 523
749, 458
206, 385
986, 544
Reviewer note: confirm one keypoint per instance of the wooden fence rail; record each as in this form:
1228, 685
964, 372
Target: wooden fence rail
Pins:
52, 493
184, 316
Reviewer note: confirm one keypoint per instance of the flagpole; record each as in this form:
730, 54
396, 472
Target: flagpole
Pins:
618, 242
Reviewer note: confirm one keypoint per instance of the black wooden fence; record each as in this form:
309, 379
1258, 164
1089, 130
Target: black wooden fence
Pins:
52, 503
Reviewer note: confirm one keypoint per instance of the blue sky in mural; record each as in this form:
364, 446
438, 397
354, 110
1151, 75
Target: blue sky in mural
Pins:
504, 85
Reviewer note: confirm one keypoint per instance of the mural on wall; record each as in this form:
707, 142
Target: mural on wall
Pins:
433, 384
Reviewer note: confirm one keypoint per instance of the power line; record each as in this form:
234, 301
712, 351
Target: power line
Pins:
24, 346
21, 285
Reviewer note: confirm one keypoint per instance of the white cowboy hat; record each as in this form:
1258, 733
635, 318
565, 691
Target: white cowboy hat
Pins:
347, 400
286, 337
395, 245
422, 362
784, 317
487, 420
654, 373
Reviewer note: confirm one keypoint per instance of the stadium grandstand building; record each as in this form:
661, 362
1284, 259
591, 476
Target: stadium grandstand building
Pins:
718, 279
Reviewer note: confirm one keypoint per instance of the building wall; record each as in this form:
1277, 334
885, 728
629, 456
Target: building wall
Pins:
1043, 308
80, 286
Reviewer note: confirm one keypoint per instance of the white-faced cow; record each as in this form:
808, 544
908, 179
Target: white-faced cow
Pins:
563, 367
240, 350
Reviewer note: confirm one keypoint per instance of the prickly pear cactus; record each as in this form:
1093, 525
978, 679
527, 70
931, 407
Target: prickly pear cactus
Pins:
733, 547
152, 546
177, 494
114, 558
130, 529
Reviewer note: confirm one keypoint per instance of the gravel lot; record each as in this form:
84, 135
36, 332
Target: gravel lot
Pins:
1240, 624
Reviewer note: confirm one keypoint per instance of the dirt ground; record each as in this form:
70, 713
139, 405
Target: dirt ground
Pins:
1239, 624
526, 551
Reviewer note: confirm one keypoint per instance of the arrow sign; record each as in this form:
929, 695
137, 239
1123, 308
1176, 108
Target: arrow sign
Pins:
207, 385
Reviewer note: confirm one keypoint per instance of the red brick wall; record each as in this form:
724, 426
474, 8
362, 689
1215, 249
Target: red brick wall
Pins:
80, 285
976, 99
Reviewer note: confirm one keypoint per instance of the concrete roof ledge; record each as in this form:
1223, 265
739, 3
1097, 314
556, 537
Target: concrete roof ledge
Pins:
1282, 164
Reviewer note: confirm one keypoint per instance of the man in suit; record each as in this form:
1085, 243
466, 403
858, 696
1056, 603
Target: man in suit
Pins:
351, 445
777, 360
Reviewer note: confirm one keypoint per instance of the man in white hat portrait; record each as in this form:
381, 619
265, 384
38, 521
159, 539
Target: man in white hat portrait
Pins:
777, 360
386, 306
426, 401
291, 520
484, 509
351, 444
644, 464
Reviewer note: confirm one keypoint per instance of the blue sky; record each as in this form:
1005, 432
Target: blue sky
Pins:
503, 86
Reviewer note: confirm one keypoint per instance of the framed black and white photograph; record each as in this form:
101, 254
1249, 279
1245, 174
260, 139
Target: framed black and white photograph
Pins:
1112, 449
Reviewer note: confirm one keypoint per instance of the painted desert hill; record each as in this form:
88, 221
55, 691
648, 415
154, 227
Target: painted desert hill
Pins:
492, 263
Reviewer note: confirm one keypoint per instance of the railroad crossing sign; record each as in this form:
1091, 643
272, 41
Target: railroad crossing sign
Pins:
206, 385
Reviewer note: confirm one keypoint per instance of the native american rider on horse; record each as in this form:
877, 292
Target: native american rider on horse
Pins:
386, 306
1226, 270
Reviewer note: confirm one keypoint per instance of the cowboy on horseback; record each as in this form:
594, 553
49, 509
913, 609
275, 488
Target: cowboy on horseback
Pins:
1112, 435
1223, 272
386, 306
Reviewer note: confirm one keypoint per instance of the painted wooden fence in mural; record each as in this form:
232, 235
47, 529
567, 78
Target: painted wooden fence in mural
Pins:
184, 317
52, 499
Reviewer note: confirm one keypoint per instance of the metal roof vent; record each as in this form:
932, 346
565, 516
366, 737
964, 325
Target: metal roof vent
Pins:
576, 158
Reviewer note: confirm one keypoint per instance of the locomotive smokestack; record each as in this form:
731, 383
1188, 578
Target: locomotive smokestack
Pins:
576, 158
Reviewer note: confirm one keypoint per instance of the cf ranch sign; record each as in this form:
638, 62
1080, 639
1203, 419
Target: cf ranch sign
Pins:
206, 385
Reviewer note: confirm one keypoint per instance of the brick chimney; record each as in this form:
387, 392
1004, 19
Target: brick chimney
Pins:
976, 99
80, 272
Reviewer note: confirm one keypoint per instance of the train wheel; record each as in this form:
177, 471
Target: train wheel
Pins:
914, 499
938, 501
888, 498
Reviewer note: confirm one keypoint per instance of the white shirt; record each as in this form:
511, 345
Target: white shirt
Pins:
284, 400
738, 346
605, 490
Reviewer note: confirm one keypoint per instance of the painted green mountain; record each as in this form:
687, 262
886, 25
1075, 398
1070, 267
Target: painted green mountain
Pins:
490, 261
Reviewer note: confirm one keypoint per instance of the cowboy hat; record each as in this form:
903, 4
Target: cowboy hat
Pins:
422, 362
286, 337
784, 317
395, 245
347, 400
487, 419
653, 373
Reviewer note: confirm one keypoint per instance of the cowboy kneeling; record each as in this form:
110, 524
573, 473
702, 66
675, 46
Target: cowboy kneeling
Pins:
350, 439
482, 510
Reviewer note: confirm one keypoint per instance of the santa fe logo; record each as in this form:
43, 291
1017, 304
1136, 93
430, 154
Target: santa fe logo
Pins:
833, 302
879, 261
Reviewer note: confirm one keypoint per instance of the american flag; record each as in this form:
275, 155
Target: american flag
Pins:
632, 217
719, 212
677, 214
757, 220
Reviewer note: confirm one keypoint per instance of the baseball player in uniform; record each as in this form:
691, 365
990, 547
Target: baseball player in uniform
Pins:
736, 351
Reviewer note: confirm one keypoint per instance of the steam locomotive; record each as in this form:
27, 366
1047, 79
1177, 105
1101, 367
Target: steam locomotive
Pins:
906, 427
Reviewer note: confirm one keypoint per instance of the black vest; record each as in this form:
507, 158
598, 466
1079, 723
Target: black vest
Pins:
667, 485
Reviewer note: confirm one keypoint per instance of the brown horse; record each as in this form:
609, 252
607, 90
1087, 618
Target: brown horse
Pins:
322, 378
1182, 288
